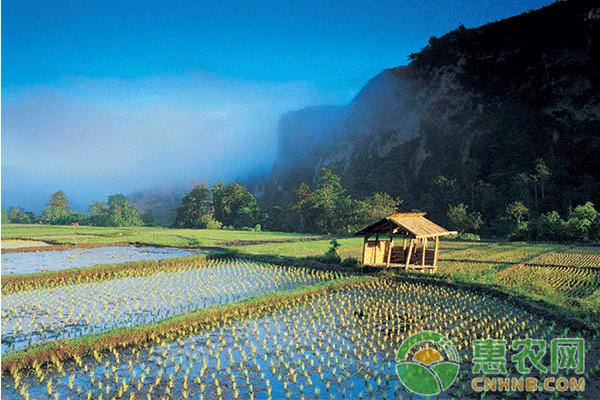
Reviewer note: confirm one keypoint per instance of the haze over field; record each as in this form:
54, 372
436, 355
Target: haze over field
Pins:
100, 98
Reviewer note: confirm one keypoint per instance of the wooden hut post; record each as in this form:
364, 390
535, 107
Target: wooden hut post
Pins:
364, 249
376, 251
410, 250
389, 255
435, 253
424, 245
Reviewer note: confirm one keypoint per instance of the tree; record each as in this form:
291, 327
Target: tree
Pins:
20, 216
541, 176
517, 211
324, 209
234, 206
117, 212
4, 216
378, 206
98, 214
58, 209
149, 219
521, 187
13, 214
194, 205
462, 219
121, 213
328, 209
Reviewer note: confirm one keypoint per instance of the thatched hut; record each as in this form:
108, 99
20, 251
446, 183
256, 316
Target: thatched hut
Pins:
401, 240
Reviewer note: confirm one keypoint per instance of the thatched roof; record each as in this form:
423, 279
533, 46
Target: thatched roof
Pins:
413, 225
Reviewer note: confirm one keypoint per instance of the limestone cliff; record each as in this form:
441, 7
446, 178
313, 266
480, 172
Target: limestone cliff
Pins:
477, 106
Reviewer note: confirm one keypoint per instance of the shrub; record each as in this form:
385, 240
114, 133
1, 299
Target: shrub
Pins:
550, 226
331, 256
467, 237
328, 258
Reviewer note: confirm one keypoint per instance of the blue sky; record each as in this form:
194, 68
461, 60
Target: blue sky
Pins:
104, 97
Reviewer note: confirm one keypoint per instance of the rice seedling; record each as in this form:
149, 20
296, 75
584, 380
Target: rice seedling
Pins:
338, 343
570, 281
35, 316
502, 253
576, 256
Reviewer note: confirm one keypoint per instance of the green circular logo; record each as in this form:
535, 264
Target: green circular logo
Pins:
427, 371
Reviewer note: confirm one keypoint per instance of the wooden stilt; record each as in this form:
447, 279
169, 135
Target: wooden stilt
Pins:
364, 249
424, 246
391, 246
435, 253
410, 250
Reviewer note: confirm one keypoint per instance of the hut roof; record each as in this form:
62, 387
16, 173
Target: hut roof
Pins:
414, 225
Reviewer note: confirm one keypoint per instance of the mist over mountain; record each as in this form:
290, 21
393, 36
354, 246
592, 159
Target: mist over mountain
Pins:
465, 121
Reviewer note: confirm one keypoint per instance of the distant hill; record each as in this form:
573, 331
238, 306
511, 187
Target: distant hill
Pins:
479, 107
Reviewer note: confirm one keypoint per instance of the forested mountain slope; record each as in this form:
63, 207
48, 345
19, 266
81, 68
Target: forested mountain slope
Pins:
484, 116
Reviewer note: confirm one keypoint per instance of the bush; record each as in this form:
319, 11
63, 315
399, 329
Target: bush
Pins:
583, 225
467, 237
550, 226
523, 232
331, 256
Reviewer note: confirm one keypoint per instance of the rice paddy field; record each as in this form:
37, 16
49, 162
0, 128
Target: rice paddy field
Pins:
30, 317
232, 326
30, 262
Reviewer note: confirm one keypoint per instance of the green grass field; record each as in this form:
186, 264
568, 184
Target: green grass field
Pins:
144, 235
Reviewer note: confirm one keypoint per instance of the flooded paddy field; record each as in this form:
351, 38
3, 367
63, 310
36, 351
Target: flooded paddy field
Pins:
30, 262
339, 344
34, 316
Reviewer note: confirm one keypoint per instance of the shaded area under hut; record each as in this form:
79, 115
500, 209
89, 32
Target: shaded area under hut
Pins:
401, 240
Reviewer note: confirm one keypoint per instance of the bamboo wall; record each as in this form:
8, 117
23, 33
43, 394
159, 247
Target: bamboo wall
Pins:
376, 252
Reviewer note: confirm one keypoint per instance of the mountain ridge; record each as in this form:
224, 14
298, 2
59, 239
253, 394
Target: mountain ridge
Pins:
476, 106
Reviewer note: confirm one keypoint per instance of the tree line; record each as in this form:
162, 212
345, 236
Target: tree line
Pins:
115, 212
326, 207
222, 206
